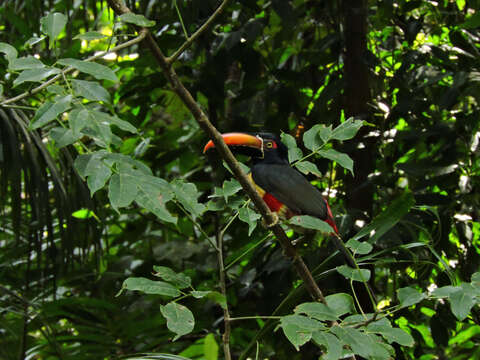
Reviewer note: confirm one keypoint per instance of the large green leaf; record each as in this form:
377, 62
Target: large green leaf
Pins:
179, 319
340, 158
52, 25
148, 286
50, 111
310, 222
179, 280
24, 63
35, 75
98, 71
90, 90
409, 296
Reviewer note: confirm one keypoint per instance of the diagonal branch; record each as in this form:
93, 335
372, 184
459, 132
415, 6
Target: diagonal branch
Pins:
227, 155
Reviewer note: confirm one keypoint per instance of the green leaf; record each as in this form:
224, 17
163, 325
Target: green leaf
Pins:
298, 329
210, 347
461, 302
113, 120
24, 63
347, 130
179, 319
444, 291
316, 137
218, 298
476, 280
156, 206
33, 41
90, 35
409, 296
250, 217
94, 168
136, 19
229, 188
310, 222
388, 218
307, 167
9, 51
199, 294
187, 195
57, 90
52, 25
331, 343
340, 158
90, 90
361, 343
83, 214
148, 286
99, 177
49, 111
392, 334
35, 75
63, 137
153, 194
294, 153
78, 119
358, 247
122, 190
179, 280
317, 311
354, 274
340, 303
98, 71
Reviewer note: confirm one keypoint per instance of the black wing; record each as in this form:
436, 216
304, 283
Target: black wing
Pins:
291, 188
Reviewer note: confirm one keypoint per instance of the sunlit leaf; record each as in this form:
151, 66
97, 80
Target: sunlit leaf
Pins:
52, 25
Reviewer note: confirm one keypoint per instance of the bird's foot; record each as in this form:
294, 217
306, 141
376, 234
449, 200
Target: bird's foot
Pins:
273, 223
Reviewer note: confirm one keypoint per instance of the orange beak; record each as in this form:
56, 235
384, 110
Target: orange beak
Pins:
238, 139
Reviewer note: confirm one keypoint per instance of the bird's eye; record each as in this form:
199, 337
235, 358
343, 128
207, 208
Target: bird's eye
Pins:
269, 144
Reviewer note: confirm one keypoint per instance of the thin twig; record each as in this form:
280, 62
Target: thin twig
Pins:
223, 290
68, 69
171, 59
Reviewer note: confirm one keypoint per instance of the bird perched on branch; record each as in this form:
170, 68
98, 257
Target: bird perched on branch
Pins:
284, 189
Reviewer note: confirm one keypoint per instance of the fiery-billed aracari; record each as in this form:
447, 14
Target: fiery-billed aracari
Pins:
284, 189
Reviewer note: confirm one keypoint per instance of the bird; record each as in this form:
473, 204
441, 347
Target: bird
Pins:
284, 189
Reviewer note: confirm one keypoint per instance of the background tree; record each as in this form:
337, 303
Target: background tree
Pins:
410, 68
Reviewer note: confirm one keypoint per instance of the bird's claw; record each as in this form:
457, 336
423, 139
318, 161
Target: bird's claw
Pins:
273, 223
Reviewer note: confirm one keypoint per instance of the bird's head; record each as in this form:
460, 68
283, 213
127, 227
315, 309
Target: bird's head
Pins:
265, 147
